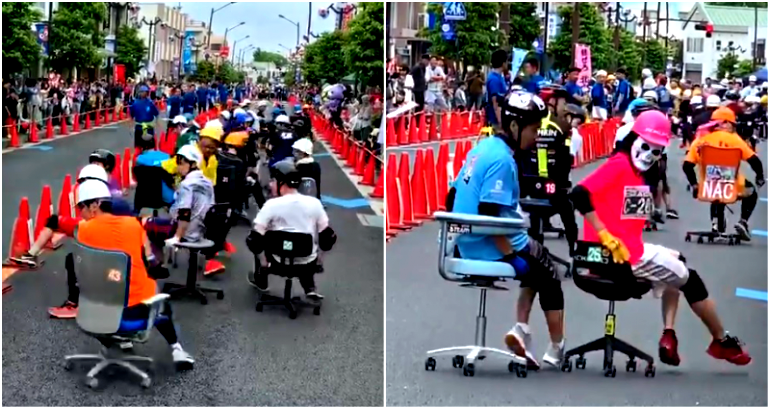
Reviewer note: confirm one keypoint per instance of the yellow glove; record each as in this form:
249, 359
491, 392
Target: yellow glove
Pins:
620, 253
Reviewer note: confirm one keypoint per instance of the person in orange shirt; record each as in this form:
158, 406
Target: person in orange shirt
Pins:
723, 135
101, 229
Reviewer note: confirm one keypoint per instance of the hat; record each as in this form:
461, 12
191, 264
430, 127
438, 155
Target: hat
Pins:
646, 72
239, 111
245, 102
601, 73
190, 152
212, 133
225, 114
143, 88
697, 100
723, 114
262, 104
649, 83
752, 99
304, 145
93, 189
650, 94
653, 127
724, 82
93, 172
282, 119
179, 119
713, 101
753, 78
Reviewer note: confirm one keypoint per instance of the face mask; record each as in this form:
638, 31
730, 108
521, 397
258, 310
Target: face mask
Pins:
644, 154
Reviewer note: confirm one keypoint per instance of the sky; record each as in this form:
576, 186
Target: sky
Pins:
263, 26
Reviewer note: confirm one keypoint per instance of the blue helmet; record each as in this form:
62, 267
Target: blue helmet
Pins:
144, 88
297, 108
241, 119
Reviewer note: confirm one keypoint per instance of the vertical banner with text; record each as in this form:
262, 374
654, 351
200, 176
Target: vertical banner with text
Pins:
583, 62
517, 59
42, 37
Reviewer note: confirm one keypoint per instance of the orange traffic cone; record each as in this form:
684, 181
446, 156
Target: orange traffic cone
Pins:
63, 125
407, 214
419, 194
49, 128
379, 189
126, 168
33, 135
394, 212
116, 171
430, 181
21, 236
66, 197
458, 160
76, 123
413, 136
442, 182
391, 132
360, 163
88, 122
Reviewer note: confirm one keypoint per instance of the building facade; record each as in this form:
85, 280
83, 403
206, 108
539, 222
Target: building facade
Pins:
404, 22
163, 30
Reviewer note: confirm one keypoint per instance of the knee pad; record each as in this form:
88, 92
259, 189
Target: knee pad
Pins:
255, 242
52, 222
326, 239
694, 289
551, 294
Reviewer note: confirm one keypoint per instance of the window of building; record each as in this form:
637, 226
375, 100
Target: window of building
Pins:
760, 49
694, 45
719, 45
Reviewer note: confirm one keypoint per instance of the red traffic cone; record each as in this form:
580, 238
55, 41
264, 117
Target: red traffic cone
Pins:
379, 189
432, 131
393, 209
369, 171
419, 194
413, 137
76, 123
430, 181
360, 163
44, 211
63, 125
401, 130
116, 171
390, 132
352, 154
407, 214
442, 182
106, 119
445, 133
49, 128
33, 135
21, 236
74, 201
423, 128
15, 142
97, 119
458, 160
88, 121
125, 174
66, 197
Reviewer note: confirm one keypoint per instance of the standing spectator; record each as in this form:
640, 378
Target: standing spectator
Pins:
665, 101
202, 95
189, 100
174, 104
534, 81
599, 97
496, 89
708, 88
10, 107
459, 98
622, 95
435, 77
475, 86
418, 83
574, 91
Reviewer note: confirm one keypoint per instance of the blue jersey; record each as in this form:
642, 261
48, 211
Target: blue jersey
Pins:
573, 89
488, 176
143, 110
202, 94
624, 90
222, 94
496, 88
174, 106
188, 102
533, 85
598, 96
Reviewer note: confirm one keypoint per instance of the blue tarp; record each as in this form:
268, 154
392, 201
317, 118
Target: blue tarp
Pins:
761, 75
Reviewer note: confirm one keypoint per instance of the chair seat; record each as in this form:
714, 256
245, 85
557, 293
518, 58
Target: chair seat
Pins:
195, 245
609, 290
494, 269
132, 326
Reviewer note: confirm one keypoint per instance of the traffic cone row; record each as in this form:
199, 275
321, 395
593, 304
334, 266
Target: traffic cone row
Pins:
50, 132
421, 127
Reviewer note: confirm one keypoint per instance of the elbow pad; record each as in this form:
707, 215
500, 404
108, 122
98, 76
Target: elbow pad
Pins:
756, 166
489, 209
581, 199
255, 242
326, 239
185, 215
450, 199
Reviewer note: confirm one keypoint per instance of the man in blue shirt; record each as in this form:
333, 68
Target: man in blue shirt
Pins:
488, 185
144, 114
599, 97
575, 91
188, 101
238, 92
496, 88
213, 94
622, 94
223, 94
174, 103
534, 81
203, 97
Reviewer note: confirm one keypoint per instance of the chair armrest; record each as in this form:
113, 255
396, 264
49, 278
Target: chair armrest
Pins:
461, 223
156, 299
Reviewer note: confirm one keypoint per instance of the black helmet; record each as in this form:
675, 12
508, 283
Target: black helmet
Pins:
523, 107
105, 157
285, 173
732, 96
642, 107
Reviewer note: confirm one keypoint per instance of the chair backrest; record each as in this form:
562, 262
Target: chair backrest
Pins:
598, 260
149, 187
719, 174
308, 187
231, 179
103, 278
288, 245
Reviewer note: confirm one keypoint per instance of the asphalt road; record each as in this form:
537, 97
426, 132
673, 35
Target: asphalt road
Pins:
425, 312
243, 358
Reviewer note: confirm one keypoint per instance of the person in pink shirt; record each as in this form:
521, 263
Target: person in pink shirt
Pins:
616, 201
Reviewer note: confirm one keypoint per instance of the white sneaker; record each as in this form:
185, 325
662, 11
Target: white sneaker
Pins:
182, 360
554, 354
518, 340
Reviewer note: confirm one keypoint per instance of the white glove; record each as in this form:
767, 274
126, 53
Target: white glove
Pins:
172, 241
250, 180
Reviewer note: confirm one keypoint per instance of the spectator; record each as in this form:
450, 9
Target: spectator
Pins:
189, 100
622, 95
496, 89
534, 81
574, 90
475, 85
599, 96
459, 98
174, 104
418, 82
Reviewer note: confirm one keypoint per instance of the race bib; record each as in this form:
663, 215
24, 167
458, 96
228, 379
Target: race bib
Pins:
287, 135
637, 203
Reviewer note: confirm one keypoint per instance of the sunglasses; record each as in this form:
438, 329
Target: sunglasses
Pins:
655, 152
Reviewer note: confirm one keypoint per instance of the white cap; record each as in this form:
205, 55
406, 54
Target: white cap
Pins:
649, 84
93, 189
239, 111
179, 119
253, 114
304, 145
713, 101
646, 73
697, 100
650, 95
225, 114
753, 78
93, 171
245, 102
262, 104
190, 152
601, 73
282, 119
724, 82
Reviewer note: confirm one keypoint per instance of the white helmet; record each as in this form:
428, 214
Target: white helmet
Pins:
652, 95
646, 73
93, 189
246, 102
725, 82
601, 73
696, 100
93, 171
239, 111
304, 145
190, 152
649, 84
282, 119
262, 104
179, 119
753, 78
713, 101
225, 114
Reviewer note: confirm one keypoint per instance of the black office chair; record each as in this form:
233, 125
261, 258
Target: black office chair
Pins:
288, 246
594, 271
231, 182
149, 187
537, 195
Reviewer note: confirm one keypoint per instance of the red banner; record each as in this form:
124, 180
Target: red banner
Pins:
119, 73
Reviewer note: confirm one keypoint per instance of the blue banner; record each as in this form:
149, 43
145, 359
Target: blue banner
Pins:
41, 31
187, 54
448, 30
517, 59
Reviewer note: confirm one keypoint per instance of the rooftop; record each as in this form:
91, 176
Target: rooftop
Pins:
735, 16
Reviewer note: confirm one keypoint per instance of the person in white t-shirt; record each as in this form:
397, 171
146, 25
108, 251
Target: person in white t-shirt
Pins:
289, 210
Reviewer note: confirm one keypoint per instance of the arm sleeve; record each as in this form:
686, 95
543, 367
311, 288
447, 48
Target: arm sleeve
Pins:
756, 166
184, 197
262, 221
499, 184
322, 221
689, 170
581, 198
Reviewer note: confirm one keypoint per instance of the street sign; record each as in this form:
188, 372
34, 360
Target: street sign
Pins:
454, 10
448, 30
224, 51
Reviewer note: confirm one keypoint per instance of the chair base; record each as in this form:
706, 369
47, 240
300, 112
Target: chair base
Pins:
177, 291
732, 239
103, 362
287, 301
609, 344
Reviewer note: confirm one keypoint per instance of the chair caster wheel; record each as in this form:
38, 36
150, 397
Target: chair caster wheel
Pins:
204, 301
650, 371
457, 361
580, 363
221, 295
292, 315
737, 241
92, 382
730, 242
469, 370
700, 240
68, 365
631, 366
259, 307
611, 372
521, 370
566, 365
711, 239
317, 311
146, 382
430, 364
687, 238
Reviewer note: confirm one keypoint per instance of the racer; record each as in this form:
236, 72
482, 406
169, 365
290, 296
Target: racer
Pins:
282, 140
615, 203
210, 139
723, 135
144, 115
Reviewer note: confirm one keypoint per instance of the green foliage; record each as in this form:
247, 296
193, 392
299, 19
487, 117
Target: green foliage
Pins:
288, 78
760, 4
262, 80
324, 59
269, 56
745, 68
525, 25
655, 55
364, 46
20, 49
476, 38
76, 37
593, 32
130, 49
227, 73
727, 65
205, 71
629, 56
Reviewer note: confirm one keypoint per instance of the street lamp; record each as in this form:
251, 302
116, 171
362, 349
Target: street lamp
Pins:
152, 24
177, 36
234, 43
232, 28
242, 55
211, 20
292, 22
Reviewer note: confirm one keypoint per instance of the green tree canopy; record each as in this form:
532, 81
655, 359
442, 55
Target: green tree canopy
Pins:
364, 46
477, 35
727, 65
324, 59
655, 55
75, 37
20, 49
629, 56
130, 49
261, 55
204, 71
227, 73
525, 25
288, 78
593, 32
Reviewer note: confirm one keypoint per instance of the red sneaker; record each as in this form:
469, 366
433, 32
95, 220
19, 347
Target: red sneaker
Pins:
730, 349
68, 310
213, 267
668, 351
229, 247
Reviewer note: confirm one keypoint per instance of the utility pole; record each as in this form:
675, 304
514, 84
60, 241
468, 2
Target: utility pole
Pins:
616, 36
644, 36
309, 18
543, 58
575, 29
668, 17
756, 48
657, 22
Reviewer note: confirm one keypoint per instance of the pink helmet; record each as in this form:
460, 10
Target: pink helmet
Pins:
653, 127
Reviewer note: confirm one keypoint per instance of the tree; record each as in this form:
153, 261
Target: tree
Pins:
745, 67
269, 56
727, 65
655, 55
760, 4
289, 78
130, 49
205, 71
525, 25
227, 73
262, 80
324, 60
477, 35
76, 37
364, 46
593, 32
20, 48
629, 55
